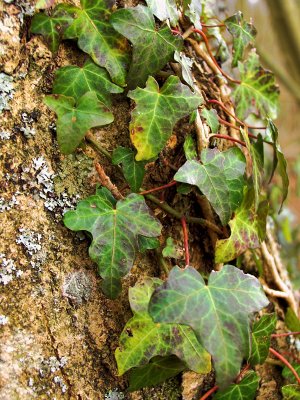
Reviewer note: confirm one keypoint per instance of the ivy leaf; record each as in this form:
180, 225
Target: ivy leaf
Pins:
219, 177
244, 390
147, 243
74, 120
114, 227
279, 160
261, 338
157, 371
288, 375
186, 64
248, 228
152, 48
217, 312
291, 392
51, 27
41, 4
291, 321
98, 38
189, 148
143, 339
258, 87
171, 249
243, 34
164, 9
134, 171
193, 10
156, 112
211, 118
74, 82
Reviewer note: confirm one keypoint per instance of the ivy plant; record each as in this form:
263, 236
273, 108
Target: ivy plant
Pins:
184, 319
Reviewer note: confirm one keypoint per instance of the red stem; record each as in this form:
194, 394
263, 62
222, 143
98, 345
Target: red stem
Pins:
173, 183
237, 128
285, 362
240, 375
204, 37
284, 334
226, 137
186, 241
211, 391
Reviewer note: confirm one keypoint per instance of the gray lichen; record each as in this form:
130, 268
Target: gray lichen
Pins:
8, 270
6, 91
3, 320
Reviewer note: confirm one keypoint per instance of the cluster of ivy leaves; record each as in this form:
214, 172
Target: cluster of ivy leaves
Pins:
184, 322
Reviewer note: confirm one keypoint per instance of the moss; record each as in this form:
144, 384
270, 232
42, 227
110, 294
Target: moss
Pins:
170, 389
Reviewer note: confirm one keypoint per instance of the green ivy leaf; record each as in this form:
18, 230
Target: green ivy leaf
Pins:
258, 86
291, 392
186, 64
217, 312
98, 38
51, 27
164, 9
115, 227
133, 170
156, 112
147, 243
288, 375
248, 228
74, 120
279, 160
211, 118
291, 321
74, 82
152, 48
143, 339
219, 177
171, 249
189, 148
157, 371
243, 34
261, 338
244, 390
42, 4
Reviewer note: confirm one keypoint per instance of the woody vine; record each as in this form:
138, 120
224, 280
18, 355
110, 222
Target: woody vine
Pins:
160, 56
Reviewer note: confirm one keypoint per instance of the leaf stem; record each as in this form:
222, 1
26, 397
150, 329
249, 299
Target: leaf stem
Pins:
213, 26
193, 220
204, 37
185, 241
172, 183
211, 391
226, 137
285, 362
92, 140
275, 335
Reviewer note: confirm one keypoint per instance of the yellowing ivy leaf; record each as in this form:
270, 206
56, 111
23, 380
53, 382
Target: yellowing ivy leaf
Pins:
244, 390
74, 82
220, 177
218, 312
75, 119
51, 27
157, 111
243, 34
143, 339
152, 47
257, 89
248, 228
164, 9
115, 227
98, 38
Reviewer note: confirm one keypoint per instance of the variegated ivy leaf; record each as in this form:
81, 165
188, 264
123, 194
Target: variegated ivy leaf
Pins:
220, 177
157, 111
218, 312
261, 338
76, 118
51, 27
211, 118
279, 160
244, 390
133, 170
243, 34
248, 228
115, 227
186, 67
189, 147
75, 81
164, 9
257, 90
98, 38
152, 47
142, 339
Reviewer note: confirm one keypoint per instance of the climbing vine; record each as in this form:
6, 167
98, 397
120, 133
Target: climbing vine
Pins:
158, 56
